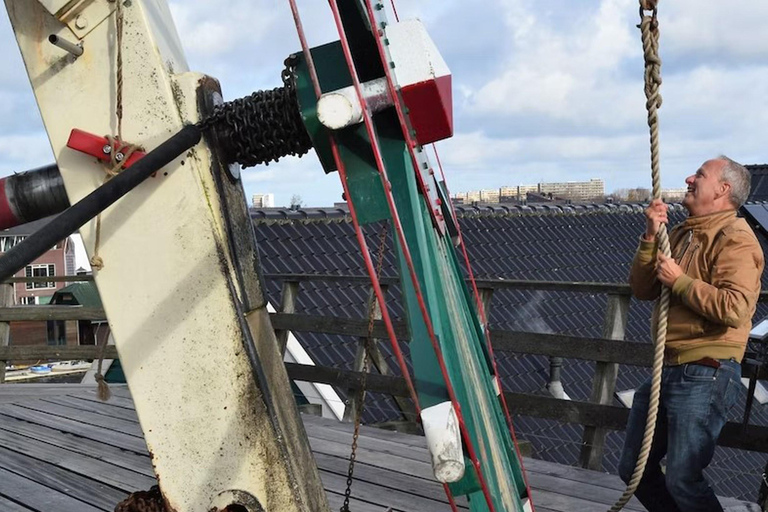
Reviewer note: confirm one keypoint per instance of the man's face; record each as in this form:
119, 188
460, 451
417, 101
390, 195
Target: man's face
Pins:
704, 188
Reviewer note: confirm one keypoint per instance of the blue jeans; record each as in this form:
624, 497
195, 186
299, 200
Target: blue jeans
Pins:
694, 405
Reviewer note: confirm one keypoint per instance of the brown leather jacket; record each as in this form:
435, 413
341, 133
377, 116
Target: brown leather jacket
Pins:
712, 304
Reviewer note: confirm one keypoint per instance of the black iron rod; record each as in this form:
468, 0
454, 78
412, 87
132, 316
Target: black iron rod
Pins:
97, 201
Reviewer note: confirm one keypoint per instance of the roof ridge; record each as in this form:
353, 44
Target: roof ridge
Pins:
282, 215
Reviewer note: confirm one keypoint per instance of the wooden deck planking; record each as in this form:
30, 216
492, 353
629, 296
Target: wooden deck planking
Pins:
77, 454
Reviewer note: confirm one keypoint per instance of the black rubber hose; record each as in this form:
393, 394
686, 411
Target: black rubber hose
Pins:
97, 201
32, 195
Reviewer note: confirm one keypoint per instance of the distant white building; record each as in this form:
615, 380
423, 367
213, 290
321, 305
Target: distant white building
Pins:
673, 194
576, 190
263, 200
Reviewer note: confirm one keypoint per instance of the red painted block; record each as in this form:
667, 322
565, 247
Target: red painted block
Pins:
93, 145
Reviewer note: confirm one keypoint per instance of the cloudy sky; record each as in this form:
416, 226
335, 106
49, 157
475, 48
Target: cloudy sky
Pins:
544, 90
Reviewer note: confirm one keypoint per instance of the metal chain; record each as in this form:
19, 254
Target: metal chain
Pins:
264, 126
366, 361
649, 27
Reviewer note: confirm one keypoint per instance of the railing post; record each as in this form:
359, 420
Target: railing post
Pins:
287, 305
604, 383
486, 296
355, 399
6, 300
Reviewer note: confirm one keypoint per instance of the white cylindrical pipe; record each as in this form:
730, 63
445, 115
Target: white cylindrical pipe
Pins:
341, 108
441, 428
74, 49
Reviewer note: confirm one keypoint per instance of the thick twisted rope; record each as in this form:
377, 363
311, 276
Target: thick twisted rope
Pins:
650, 37
119, 154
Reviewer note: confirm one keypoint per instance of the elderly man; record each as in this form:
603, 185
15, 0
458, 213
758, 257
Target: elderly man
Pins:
714, 276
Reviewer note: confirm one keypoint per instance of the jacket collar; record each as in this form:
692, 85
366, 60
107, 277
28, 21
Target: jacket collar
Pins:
711, 220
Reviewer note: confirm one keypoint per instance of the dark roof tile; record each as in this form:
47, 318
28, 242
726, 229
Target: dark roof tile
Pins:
583, 243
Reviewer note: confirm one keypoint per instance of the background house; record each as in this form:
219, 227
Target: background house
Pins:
58, 261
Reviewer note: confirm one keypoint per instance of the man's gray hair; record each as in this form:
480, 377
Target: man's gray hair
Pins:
739, 178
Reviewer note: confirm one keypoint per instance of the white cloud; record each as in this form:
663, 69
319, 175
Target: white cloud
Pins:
563, 72
23, 152
542, 90
733, 29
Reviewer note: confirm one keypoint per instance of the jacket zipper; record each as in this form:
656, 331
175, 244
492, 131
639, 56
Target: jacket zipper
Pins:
690, 260
686, 244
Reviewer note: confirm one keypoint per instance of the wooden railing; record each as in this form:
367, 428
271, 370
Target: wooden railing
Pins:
597, 415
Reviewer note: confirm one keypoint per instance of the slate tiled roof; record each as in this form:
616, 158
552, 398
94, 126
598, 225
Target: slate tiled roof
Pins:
568, 243
759, 190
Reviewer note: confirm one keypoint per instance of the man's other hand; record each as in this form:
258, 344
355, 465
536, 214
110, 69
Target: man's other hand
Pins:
655, 216
667, 270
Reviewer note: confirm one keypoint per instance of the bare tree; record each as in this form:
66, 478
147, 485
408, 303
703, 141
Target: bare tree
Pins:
638, 194
296, 202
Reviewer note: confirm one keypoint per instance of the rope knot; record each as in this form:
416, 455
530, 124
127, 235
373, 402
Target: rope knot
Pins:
97, 262
119, 153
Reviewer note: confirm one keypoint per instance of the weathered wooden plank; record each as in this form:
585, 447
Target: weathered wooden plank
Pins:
62, 479
373, 457
90, 467
7, 505
102, 408
416, 441
52, 435
115, 400
592, 349
370, 443
335, 501
575, 347
385, 497
332, 325
579, 490
57, 352
123, 392
39, 497
344, 378
384, 477
104, 435
516, 284
87, 418
42, 313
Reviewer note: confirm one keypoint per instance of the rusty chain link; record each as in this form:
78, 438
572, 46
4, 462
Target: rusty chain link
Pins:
367, 348
262, 127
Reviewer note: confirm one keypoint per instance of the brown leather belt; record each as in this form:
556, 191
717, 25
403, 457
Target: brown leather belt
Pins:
707, 361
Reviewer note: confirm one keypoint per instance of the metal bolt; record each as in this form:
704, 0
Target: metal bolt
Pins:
119, 157
379, 6
107, 149
81, 22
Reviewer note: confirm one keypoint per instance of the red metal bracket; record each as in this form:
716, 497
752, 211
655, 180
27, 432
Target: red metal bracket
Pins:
97, 146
